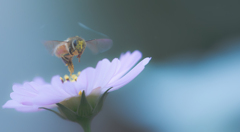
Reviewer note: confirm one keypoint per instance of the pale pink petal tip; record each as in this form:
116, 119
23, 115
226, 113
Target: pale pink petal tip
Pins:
129, 76
25, 96
146, 60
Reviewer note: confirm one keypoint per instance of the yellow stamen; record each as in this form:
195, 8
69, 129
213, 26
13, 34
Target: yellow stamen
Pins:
80, 93
66, 77
71, 78
79, 73
74, 77
61, 79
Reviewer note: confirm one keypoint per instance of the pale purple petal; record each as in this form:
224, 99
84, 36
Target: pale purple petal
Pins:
56, 81
101, 69
28, 96
107, 73
81, 83
21, 98
39, 80
90, 74
19, 89
69, 88
124, 56
25, 87
96, 91
11, 104
33, 108
84, 79
57, 87
129, 76
22, 107
130, 60
127, 62
25, 108
49, 95
100, 76
49, 99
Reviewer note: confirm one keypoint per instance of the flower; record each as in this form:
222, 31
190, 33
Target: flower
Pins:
92, 82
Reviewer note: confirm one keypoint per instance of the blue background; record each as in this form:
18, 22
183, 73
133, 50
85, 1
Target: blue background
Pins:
192, 83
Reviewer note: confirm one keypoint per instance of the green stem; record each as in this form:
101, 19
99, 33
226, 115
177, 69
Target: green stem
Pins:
86, 126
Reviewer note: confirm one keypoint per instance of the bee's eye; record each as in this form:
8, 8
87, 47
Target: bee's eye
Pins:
75, 42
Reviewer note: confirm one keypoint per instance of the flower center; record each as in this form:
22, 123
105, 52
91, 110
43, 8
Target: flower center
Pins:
71, 78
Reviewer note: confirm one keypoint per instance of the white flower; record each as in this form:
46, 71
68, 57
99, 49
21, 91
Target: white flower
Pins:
93, 81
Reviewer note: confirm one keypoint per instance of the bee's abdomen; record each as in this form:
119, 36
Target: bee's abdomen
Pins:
61, 50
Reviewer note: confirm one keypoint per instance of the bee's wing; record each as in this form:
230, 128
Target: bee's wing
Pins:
51, 45
99, 45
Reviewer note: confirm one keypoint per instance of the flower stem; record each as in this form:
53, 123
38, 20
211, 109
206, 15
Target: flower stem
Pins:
86, 126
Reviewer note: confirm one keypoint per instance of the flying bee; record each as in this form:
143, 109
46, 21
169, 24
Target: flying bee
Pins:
75, 46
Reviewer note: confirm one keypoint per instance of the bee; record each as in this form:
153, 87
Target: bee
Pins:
75, 46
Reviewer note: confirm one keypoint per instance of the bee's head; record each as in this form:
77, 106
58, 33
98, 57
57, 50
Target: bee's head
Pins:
78, 44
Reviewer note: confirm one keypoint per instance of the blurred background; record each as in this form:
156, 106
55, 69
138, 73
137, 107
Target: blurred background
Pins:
192, 83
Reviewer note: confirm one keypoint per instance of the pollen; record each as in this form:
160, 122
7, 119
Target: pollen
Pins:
66, 77
71, 78
79, 45
80, 93
62, 79
74, 77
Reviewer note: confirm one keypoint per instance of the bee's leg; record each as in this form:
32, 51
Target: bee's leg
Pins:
65, 59
70, 51
68, 62
79, 56
70, 67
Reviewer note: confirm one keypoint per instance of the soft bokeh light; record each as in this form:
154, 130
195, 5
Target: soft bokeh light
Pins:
186, 95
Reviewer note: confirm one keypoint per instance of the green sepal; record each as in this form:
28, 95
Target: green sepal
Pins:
100, 102
72, 103
84, 108
70, 115
92, 100
61, 116
81, 109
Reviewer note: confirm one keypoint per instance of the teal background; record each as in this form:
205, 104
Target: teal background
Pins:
190, 85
